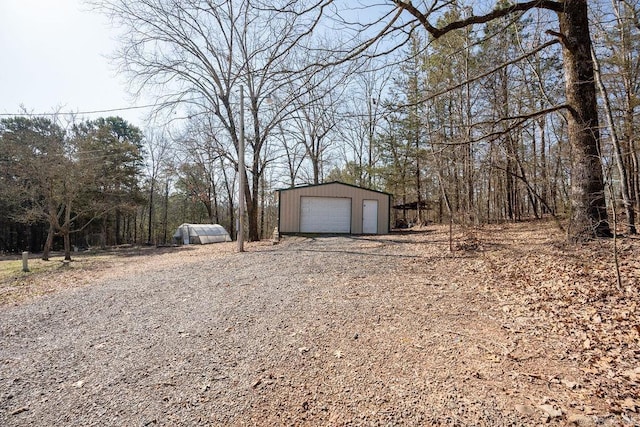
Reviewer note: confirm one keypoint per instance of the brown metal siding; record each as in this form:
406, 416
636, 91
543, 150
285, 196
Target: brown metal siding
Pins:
290, 205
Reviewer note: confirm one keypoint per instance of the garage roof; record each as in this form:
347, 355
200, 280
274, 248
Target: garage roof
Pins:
332, 182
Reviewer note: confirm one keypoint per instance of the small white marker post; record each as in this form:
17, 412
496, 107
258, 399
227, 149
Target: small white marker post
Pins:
25, 262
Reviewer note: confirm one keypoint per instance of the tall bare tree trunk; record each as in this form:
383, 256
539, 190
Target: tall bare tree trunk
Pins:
617, 151
543, 166
251, 196
66, 230
47, 244
150, 210
229, 187
166, 212
588, 205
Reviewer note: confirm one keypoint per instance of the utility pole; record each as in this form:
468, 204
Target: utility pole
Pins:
241, 172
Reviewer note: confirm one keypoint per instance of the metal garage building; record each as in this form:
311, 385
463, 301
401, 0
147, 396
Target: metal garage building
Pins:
333, 207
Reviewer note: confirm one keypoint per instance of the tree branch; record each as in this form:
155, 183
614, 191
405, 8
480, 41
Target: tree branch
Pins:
483, 75
499, 12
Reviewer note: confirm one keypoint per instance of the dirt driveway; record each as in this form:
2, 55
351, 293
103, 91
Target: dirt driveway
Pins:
389, 330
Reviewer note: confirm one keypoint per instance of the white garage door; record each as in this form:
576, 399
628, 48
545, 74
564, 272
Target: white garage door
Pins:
325, 215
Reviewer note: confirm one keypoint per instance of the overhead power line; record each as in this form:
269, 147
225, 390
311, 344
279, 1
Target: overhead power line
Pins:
79, 113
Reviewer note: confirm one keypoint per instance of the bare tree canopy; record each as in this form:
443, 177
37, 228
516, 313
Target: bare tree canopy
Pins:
589, 214
195, 54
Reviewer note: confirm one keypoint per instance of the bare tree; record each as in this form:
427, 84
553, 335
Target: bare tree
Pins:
196, 53
588, 204
618, 79
617, 150
207, 169
316, 116
362, 123
589, 213
294, 153
158, 149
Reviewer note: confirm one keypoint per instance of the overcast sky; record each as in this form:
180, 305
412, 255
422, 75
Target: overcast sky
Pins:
53, 56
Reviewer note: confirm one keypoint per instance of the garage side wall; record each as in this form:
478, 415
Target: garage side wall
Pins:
290, 205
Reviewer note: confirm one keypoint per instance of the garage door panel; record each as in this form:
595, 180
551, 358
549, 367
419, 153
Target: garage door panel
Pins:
325, 215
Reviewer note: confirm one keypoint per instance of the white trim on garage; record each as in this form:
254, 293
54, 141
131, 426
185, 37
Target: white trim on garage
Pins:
325, 214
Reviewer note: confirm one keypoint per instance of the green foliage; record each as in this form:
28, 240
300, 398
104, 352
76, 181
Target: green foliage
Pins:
37, 167
111, 150
68, 179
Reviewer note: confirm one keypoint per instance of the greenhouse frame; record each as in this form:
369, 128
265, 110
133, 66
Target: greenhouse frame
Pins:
200, 234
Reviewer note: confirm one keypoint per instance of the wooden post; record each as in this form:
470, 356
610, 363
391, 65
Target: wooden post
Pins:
241, 172
25, 262
450, 231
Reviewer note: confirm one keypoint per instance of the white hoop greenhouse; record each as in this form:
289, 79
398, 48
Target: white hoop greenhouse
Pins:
200, 234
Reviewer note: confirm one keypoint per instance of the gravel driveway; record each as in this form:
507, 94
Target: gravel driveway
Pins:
325, 331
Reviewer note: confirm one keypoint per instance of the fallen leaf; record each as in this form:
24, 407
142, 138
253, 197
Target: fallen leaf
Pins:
630, 404
633, 375
526, 410
581, 420
569, 384
551, 411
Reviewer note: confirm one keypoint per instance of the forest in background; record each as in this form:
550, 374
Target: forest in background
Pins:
470, 126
